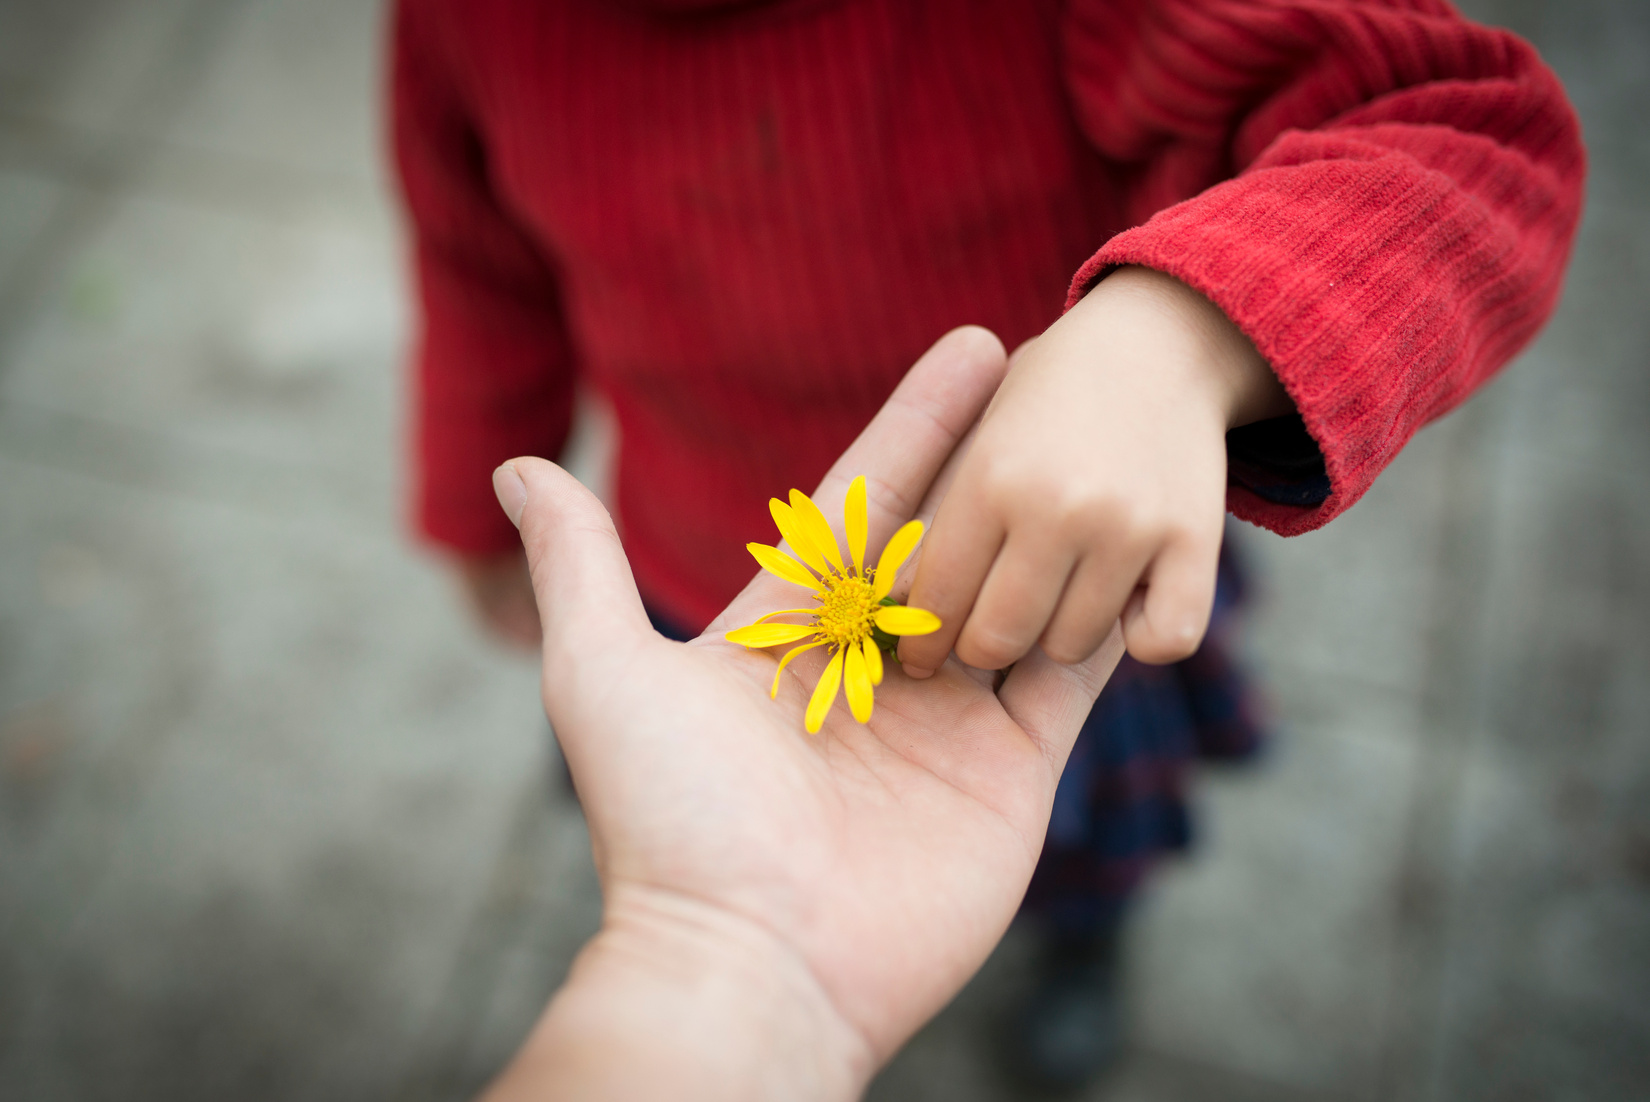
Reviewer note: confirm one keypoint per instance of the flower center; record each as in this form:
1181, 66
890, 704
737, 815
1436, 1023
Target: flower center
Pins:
845, 611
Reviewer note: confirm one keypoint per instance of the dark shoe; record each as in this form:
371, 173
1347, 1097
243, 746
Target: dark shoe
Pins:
1070, 1028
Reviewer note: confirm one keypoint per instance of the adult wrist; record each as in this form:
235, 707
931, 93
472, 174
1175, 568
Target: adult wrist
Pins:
677, 998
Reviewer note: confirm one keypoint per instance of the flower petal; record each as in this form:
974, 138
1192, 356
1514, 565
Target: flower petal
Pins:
857, 680
873, 660
824, 695
898, 549
785, 520
773, 693
853, 516
816, 528
775, 561
766, 616
902, 620
769, 635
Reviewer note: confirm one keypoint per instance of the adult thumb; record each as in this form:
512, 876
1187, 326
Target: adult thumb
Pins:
586, 595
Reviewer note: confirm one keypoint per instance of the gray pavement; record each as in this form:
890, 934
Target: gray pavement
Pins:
275, 823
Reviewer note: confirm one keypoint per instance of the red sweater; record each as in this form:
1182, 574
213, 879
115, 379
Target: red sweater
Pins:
742, 223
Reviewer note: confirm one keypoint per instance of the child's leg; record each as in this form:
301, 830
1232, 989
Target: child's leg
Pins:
1120, 807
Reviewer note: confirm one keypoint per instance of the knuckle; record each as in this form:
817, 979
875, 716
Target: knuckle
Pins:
1098, 514
1067, 650
1157, 649
1002, 482
890, 496
1076, 509
977, 340
985, 649
1182, 530
919, 647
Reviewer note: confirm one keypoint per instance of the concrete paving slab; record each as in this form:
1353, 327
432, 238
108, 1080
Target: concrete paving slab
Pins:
295, 83
217, 332
257, 774
1271, 952
27, 203
542, 903
1549, 936
1599, 48
1259, 968
1349, 601
78, 68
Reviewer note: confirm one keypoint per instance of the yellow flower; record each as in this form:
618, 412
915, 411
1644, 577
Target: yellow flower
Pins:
852, 607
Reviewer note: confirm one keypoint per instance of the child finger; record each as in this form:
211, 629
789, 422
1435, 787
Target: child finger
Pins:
1019, 596
1169, 622
956, 558
1095, 596
937, 491
1097, 592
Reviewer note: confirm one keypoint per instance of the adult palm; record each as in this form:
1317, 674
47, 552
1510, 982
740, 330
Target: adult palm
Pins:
885, 859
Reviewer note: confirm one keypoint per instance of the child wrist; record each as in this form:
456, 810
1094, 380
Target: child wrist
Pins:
1246, 387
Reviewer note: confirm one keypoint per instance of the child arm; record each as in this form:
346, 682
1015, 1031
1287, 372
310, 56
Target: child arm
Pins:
493, 365
1406, 189
1378, 193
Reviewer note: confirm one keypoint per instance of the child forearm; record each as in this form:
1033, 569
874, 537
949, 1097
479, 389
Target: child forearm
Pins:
1242, 383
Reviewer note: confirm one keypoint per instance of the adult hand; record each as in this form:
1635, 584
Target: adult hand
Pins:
781, 911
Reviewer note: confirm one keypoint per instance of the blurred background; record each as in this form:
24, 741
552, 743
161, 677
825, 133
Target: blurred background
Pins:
276, 822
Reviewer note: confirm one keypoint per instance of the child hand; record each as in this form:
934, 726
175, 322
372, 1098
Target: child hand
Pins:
500, 593
1096, 486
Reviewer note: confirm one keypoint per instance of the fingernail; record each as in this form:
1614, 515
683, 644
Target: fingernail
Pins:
511, 491
916, 672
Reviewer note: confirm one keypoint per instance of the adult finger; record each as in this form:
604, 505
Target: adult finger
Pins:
965, 559
1050, 700
937, 492
587, 599
902, 450
944, 480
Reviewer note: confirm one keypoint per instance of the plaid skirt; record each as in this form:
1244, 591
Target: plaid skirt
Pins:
1122, 802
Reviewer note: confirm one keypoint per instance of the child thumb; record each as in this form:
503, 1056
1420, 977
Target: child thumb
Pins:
586, 595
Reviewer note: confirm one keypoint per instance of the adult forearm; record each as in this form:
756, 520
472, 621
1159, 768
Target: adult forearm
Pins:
674, 999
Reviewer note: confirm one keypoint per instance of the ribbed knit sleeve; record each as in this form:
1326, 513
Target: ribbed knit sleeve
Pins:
494, 365
1381, 195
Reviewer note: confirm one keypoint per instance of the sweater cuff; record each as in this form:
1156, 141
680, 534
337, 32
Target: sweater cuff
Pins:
466, 528
1336, 275
453, 504
1277, 461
